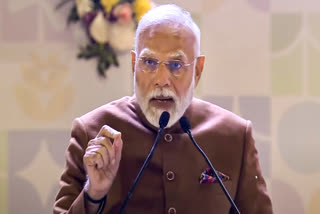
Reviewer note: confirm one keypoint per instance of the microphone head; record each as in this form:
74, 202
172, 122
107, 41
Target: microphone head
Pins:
185, 124
164, 119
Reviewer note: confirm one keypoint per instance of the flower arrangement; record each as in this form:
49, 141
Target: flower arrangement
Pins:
110, 27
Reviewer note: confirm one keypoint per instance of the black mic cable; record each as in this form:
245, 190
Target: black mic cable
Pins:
163, 122
185, 125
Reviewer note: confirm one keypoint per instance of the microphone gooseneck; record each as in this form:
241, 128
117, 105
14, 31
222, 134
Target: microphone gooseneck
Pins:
163, 122
185, 125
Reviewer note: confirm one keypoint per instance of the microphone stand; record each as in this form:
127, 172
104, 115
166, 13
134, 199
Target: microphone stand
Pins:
186, 128
164, 118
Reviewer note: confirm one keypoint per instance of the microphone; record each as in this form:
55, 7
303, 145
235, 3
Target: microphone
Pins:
185, 125
163, 122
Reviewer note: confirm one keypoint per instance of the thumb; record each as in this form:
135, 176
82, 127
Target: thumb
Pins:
117, 144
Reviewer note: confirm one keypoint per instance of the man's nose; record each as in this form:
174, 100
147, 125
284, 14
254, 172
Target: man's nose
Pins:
162, 77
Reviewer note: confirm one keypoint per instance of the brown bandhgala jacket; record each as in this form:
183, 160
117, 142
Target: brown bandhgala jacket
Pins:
223, 136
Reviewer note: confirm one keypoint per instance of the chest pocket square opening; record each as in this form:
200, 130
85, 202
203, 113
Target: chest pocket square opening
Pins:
207, 176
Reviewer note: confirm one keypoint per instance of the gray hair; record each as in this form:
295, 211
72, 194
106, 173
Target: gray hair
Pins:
171, 13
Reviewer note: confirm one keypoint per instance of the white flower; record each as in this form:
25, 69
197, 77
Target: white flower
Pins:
99, 29
122, 36
83, 7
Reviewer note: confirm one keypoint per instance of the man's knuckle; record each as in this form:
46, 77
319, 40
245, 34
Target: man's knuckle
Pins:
106, 128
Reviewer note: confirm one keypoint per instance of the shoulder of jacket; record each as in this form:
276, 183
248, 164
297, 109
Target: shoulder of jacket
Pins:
213, 112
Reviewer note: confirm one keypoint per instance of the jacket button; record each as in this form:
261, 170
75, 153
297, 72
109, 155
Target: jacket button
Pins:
168, 137
170, 175
172, 210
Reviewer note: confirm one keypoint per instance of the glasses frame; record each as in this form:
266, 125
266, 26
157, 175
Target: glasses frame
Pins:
167, 63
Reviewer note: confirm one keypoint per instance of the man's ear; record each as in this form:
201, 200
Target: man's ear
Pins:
199, 68
133, 60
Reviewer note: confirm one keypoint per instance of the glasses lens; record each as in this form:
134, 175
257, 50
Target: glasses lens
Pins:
175, 67
149, 64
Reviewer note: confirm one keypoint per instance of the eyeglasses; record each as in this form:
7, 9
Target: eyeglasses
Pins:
151, 65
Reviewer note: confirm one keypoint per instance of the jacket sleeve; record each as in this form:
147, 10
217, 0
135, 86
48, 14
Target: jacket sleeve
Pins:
251, 196
70, 197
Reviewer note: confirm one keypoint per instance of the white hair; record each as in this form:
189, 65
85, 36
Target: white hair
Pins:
170, 13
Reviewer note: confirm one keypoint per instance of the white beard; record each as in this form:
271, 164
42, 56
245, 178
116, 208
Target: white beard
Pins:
153, 114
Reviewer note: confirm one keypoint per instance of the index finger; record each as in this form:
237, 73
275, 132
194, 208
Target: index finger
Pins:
109, 132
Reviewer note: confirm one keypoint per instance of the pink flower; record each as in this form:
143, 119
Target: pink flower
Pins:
123, 12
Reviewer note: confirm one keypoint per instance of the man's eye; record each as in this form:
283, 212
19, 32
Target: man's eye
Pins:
150, 62
175, 65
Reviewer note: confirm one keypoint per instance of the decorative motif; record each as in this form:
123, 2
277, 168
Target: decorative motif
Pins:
293, 202
298, 129
44, 93
35, 163
110, 26
31, 172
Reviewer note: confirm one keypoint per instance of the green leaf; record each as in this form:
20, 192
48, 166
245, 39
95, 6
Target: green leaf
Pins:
73, 16
104, 53
111, 55
102, 67
89, 51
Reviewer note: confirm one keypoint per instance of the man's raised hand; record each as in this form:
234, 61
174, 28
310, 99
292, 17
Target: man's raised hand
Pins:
101, 160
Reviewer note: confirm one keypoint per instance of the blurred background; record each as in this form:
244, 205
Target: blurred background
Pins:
262, 62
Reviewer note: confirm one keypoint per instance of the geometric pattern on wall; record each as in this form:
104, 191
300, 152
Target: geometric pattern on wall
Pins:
286, 199
36, 160
257, 109
299, 137
45, 92
31, 161
24, 19
295, 45
296, 142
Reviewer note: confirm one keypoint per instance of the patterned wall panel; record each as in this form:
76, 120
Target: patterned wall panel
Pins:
262, 62
294, 155
228, 32
295, 75
258, 110
296, 54
36, 160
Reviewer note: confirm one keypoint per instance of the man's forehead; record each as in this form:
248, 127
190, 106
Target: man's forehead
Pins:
167, 28
153, 53
163, 32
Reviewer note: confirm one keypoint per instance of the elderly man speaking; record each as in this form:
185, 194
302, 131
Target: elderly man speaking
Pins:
109, 145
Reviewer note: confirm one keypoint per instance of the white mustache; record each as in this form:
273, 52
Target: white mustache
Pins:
162, 93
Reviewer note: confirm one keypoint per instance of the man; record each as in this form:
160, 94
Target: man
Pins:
110, 144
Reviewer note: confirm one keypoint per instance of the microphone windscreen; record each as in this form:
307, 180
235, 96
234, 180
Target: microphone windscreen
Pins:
164, 119
185, 124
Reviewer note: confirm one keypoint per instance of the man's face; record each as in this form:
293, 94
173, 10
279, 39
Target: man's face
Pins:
165, 86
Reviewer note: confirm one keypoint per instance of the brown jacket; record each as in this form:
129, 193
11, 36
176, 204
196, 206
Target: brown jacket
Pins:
224, 137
